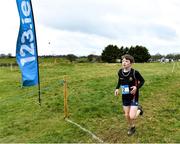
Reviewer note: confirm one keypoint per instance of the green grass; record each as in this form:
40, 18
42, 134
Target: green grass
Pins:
7, 60
91, 104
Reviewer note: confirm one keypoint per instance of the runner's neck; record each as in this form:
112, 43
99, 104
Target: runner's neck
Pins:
127, 69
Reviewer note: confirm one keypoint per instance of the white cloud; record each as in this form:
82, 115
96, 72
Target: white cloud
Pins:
9, 26
54, 41
85, 27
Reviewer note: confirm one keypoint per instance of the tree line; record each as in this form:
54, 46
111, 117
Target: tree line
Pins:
112, 53
158, 56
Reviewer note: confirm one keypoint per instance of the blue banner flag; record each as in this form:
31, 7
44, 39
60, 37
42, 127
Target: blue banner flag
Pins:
26, 47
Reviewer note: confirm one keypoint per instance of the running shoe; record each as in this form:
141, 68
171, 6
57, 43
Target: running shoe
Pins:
140, 108
131, 131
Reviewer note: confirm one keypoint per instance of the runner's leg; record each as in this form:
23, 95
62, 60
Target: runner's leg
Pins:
126, 113
132, 114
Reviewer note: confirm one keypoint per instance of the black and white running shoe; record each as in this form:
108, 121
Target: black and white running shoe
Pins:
131, 131
140, 108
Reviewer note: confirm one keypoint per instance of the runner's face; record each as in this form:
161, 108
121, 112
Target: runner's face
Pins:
126, 63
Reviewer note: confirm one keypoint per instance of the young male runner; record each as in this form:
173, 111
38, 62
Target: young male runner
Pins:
130, 81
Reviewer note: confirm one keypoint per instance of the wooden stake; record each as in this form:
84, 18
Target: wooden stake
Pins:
65, 98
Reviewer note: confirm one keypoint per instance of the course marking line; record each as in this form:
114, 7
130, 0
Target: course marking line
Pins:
93, 135
177, 64
173, 67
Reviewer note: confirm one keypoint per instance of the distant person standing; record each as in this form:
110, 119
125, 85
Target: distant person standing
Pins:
130, 81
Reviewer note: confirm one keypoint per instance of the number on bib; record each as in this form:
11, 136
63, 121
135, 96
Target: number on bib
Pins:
125, 89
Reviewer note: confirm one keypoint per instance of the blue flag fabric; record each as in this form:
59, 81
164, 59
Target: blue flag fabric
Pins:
26, 47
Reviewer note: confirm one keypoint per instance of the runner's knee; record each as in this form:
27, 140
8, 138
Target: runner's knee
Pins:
132, 116
126, 115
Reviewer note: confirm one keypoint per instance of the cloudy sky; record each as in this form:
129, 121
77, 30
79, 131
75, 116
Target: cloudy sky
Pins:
84, 27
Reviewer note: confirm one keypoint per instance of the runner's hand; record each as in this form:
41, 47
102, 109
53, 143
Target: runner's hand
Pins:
116, 92
134, 89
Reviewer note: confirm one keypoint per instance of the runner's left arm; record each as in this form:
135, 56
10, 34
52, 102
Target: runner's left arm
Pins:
140, 79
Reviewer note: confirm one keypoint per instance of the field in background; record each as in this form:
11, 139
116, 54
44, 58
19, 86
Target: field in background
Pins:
91, 104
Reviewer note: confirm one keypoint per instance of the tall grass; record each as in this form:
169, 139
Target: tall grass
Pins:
91, 104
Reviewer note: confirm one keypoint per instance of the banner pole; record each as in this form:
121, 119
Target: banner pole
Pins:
39, 88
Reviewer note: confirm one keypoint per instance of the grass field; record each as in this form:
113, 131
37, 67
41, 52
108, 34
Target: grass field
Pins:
91, 104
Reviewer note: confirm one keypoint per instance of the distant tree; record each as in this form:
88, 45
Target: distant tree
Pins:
71, 57
170, 56
93, 58
177, 56
2, 55
82, 59
99, 59
122, 51
156, 57
110, 54
125, 50
9, 55
139, 53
